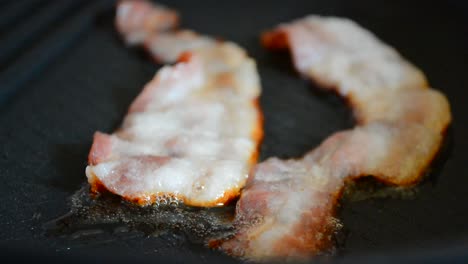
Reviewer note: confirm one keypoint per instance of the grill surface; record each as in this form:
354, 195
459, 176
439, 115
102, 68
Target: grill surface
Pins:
64, 73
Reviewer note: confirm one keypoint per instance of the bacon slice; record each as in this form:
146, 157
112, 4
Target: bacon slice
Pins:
427, 107
135, 20
194, 131
342, 56
338, 53
287, 209
395, 153
169, 46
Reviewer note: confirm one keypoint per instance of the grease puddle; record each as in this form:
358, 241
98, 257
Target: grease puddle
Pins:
109, 216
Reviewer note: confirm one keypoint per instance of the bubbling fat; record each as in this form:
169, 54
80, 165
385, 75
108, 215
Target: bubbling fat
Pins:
172, 224
286, 211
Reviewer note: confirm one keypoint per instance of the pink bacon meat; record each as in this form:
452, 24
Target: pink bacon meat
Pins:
287, 209
193, 133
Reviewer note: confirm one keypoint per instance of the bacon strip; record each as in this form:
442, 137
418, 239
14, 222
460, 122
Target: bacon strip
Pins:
286, 210
135, 20
193, 132
342, 56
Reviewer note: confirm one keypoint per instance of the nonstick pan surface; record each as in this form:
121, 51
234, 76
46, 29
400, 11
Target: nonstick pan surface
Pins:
64, 74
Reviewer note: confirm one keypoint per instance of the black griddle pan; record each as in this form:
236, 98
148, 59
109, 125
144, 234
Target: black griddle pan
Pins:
64, 73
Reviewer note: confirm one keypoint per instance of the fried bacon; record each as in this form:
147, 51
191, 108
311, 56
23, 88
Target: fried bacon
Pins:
193, 132
287, 209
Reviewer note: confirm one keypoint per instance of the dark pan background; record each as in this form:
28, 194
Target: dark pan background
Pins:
64, 74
